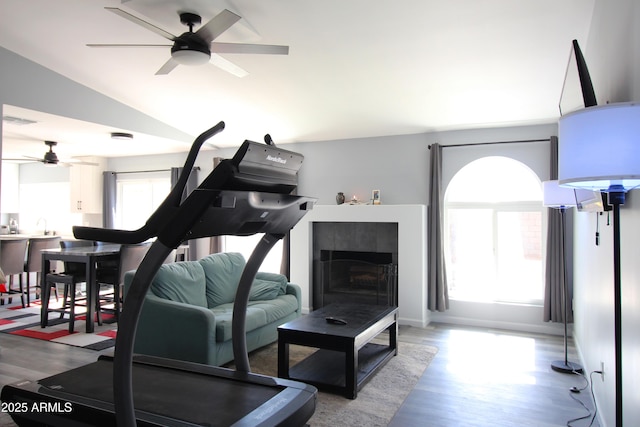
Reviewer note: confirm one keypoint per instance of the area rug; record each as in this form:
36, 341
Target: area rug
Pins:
379, 399
25, 322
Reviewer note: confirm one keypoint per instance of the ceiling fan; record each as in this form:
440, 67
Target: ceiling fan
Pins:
196, 48
51, 159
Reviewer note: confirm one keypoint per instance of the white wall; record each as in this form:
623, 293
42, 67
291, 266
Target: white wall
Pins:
612, 53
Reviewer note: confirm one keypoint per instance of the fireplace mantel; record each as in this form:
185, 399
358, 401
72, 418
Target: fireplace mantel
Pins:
412, 252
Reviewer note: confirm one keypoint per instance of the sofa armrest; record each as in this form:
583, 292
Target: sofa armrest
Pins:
293, 289
176, 330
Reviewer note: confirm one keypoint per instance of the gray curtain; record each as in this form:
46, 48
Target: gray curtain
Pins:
109, 192
555, 262
192, 184
437, 288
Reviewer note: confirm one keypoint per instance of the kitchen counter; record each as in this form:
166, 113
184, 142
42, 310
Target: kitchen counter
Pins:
27, 236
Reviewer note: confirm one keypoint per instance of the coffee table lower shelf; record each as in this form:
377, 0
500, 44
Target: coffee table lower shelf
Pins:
325, 369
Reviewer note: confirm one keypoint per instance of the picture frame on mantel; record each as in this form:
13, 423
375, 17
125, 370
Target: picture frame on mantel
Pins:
375, 197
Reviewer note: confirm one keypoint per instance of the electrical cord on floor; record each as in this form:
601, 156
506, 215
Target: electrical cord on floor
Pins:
575, 390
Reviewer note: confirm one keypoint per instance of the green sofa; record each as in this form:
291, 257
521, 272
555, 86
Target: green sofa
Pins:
187, 312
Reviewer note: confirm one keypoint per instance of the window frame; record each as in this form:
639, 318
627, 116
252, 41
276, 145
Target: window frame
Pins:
534, 206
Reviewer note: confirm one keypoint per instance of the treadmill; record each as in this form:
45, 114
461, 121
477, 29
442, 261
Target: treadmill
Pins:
247, 194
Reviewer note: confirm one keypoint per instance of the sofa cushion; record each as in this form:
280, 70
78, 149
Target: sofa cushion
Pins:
182, 282
277, 308
224, 321
279, 280
262, 290
222, 272
259, 313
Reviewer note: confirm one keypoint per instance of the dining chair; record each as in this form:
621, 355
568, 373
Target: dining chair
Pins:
12, 255
130, 257
33, 264
73, 275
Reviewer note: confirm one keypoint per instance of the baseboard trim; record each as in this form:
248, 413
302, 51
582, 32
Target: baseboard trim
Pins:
549, 329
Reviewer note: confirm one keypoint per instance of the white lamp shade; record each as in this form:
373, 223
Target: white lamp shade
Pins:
599, 147
554, 196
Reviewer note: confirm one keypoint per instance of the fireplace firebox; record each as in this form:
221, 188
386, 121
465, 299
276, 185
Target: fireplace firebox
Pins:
355, 263
357, 277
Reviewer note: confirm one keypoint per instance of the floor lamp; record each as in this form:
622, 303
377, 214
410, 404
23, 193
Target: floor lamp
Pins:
562, 198
599, 149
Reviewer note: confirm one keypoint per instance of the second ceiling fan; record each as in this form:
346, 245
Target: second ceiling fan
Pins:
195, 48
51, 158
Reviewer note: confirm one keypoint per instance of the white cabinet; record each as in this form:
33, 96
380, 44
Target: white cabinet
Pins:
85, 182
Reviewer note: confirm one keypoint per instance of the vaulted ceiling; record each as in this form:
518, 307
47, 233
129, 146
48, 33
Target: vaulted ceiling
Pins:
355, 68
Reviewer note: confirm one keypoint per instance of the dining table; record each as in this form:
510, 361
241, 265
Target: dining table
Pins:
88, 255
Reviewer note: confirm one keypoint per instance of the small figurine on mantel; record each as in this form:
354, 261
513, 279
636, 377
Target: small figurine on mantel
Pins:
375, 197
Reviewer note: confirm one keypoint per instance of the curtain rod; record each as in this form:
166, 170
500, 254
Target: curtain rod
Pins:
494, 143
153, 170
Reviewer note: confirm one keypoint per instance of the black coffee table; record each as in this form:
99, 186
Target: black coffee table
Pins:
346, 358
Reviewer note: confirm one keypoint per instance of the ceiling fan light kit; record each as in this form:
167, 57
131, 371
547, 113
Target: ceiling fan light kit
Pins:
187, 55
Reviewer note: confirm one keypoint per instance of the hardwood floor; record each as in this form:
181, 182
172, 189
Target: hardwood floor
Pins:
479, 377
484, 377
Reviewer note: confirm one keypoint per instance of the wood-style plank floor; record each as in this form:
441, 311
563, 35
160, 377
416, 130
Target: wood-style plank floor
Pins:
478, 378
494, 378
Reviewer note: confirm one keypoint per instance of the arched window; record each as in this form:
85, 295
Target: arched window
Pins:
493, 224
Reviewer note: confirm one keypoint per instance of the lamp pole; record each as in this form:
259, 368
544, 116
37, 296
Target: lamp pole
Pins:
617, 198
565, 366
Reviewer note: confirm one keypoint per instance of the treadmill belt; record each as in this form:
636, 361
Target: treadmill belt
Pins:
192, 397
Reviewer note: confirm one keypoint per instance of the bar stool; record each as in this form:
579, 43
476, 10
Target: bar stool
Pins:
33, 263
74, 273
12, 255
69, 300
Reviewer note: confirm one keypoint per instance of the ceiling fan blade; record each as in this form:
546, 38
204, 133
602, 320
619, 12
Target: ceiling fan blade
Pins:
227, 66
21, 159
142, 23
217, 25
167, 67
37, 159
129, 45
249, 48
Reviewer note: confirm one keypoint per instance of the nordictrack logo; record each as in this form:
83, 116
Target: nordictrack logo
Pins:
276, 159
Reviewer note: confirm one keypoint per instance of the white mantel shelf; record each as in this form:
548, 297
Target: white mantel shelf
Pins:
412, 252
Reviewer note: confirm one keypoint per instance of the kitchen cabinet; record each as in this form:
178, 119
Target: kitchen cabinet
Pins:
85, 182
